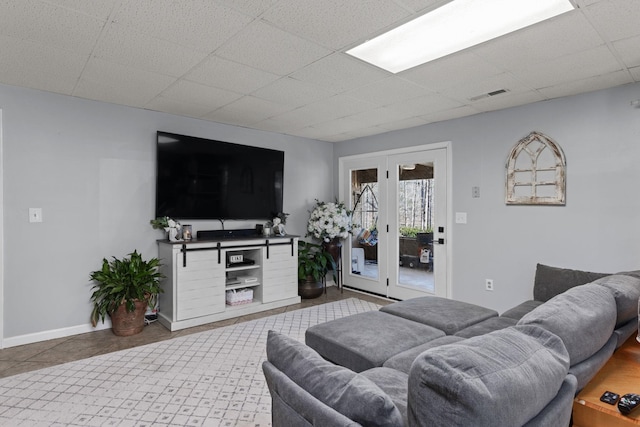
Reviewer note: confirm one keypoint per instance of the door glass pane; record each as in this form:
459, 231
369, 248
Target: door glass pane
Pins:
364, 244
416, 211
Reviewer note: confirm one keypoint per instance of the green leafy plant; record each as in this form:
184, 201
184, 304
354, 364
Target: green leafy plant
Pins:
314, 261
413, 231
123, 281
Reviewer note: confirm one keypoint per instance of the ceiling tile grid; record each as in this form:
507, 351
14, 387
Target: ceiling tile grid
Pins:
281, 66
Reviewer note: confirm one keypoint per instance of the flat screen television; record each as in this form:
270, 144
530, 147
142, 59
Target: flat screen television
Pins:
199, 178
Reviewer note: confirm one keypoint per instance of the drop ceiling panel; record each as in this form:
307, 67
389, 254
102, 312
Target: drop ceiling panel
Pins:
629, 51
334, 23
218, 72
451, 71
511, 99
548, 40
339, 73
252, 8
569, 68
453, 113
586, 85
111, 82
128, 47
267, 48
291, 92
379, 116
179, 108
34, 65
389, 91
479, 87
200, 25
190, 92
247, 111
98, 9
47, 24
616, 19
425, 105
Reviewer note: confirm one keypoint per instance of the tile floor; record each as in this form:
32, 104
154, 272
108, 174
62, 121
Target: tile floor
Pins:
25, 358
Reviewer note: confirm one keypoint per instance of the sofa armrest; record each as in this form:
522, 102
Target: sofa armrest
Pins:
293, 405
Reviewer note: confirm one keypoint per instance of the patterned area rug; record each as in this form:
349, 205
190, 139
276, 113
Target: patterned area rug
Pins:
211, 378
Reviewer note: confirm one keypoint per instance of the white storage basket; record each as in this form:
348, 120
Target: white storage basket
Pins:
239, 296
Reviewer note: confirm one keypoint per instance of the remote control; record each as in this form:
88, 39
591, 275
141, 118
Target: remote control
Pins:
610, 397
628, 403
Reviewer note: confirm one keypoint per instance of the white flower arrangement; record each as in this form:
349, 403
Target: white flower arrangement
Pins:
171, 226
165, 223
329, 221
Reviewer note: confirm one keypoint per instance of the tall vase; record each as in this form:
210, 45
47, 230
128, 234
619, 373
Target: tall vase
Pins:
172, 234
334, 247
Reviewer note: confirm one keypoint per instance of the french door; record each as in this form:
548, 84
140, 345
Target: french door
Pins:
399, 203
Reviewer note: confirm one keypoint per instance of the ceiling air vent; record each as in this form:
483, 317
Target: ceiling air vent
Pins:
487, 95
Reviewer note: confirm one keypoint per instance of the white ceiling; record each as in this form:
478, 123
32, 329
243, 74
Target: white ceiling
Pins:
279, 65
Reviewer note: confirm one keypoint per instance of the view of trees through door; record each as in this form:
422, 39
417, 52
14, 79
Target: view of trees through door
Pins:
399, 204
415, 221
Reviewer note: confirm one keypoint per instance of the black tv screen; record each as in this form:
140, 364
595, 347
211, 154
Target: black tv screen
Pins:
199, 178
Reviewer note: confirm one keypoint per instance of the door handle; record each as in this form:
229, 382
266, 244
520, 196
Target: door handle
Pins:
440, 241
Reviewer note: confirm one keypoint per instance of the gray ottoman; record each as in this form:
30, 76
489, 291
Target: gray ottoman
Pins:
366, 340
445, 314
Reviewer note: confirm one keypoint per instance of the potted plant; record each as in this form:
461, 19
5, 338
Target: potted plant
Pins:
123, 289
314, 262
171, 226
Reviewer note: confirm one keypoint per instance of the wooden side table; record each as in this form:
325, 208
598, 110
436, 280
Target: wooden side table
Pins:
621, 374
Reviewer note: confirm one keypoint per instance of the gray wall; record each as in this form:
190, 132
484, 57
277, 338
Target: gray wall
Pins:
598, 228
91, 167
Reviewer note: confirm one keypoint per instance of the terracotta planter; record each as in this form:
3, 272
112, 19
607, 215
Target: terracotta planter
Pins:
309, 288
126, 323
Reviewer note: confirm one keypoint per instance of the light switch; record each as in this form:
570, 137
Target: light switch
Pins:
35, 214
461, 217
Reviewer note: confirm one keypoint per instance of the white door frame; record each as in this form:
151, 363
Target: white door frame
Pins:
449, 199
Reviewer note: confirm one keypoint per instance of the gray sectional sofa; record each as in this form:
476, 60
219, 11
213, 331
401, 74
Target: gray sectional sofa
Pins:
437, 362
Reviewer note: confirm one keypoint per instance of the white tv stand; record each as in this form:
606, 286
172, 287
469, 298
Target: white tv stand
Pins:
198, 274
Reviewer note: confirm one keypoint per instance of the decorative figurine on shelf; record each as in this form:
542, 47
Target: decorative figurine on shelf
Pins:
277, 224
169, 225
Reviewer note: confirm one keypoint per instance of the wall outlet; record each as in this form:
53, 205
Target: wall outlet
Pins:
35, 214
461, 217
488, 284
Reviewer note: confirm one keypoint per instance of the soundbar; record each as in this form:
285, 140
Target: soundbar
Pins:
217, 234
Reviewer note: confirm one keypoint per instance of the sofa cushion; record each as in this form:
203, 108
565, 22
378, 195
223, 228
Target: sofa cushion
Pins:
588, 368
501, 379
366, 340
351, 394
586, 310
445, 314
558, 412
626, 291
291, 405
624, 332
551, 281
486, 326
521, 309
403, 361
393, 383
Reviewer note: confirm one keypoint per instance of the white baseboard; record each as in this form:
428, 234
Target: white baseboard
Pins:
53, 334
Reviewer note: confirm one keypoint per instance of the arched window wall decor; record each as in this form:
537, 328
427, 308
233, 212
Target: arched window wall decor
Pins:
536, 172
